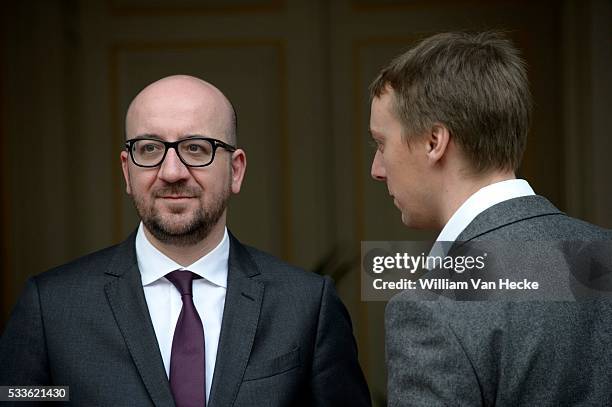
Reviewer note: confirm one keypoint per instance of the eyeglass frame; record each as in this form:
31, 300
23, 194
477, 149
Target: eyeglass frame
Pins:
174, 144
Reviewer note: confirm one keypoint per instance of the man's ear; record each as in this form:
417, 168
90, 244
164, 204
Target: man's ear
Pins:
438, 141
239, 164
125, 162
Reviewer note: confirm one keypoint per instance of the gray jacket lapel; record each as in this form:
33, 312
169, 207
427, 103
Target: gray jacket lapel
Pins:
507, 212
240, 317
126, 298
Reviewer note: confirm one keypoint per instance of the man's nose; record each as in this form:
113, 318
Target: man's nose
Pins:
378, 170
172, 168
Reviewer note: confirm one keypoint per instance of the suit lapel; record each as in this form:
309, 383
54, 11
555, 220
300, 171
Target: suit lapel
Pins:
240, 317
505, 213
126, 298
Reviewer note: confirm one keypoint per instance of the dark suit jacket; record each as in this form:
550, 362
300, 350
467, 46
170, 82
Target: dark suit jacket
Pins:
286, 338
484, 353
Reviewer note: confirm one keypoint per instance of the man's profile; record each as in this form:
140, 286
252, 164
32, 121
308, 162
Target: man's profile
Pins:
181, 313
450, 119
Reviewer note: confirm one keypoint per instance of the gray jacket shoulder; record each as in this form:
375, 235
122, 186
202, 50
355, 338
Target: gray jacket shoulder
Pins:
86, 267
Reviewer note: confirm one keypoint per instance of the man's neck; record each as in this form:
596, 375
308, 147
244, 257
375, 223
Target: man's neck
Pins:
186, 255
460, 189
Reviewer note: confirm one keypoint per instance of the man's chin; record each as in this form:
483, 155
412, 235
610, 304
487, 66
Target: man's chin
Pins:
175, 227
172, 207
181, 223
177, 234
410, 222
406, 220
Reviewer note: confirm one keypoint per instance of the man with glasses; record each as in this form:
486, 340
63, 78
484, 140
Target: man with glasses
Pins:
181, 312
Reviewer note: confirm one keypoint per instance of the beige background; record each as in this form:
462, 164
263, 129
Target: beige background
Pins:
297, 72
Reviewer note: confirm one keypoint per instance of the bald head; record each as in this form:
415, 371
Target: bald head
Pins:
180, 105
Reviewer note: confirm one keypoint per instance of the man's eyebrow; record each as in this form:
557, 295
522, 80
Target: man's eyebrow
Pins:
147, 136
187, 136
156, 137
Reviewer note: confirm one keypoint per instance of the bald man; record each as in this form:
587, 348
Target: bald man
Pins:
181, 313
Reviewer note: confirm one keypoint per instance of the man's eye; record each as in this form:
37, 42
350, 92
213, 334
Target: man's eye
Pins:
377, 145
194, 148
150, 148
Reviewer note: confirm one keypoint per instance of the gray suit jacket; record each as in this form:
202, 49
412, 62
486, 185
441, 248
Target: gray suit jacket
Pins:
286, 338
463, 353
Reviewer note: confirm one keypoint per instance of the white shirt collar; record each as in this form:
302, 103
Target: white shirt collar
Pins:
154, 265
480, 201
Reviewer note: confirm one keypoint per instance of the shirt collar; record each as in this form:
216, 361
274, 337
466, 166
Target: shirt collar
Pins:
154, 265
480, 201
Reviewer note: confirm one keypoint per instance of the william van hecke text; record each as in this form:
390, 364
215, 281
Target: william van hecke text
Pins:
448, 284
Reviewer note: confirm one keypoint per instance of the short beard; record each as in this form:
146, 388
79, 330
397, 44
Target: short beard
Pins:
189, 234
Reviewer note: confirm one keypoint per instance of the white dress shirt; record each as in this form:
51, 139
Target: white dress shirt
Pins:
164, 300
480, 201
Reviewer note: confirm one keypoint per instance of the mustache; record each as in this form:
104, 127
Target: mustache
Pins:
182, 190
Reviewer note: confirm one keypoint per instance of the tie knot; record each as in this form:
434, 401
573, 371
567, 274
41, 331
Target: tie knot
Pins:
182, 280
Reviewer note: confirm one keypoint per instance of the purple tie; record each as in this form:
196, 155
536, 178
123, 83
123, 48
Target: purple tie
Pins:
187, 368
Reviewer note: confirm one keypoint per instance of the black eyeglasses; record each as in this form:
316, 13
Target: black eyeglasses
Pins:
193, 152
